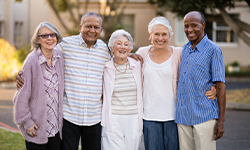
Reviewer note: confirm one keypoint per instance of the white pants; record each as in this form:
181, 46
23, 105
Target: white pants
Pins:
125, 134
197, 137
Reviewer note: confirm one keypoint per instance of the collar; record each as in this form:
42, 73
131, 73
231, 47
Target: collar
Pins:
42, 59
81, 41
110, 64
199, 46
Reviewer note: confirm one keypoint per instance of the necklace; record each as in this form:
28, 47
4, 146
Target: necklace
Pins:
119, 70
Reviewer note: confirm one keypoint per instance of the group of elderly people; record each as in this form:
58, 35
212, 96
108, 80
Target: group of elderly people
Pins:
139, 99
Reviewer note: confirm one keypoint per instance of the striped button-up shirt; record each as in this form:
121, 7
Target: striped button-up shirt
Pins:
82, 103
200, 68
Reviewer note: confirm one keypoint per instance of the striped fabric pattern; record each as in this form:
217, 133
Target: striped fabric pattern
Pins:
82, 104
200, 68
124, 94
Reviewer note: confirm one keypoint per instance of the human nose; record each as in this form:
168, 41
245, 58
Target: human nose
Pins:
92, 29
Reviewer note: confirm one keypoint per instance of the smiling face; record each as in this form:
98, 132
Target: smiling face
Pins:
193, 27
48, 43
160, 36
121, 48
91, 29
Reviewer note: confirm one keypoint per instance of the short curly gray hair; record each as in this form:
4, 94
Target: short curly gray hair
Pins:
118, 33
159, 20
34, 43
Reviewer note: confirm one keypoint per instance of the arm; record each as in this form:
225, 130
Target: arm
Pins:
136, 57
22, 113
221, 98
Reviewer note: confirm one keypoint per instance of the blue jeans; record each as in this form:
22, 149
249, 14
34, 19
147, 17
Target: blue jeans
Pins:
160, 135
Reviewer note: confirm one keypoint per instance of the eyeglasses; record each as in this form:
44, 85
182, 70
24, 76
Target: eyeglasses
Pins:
45, 36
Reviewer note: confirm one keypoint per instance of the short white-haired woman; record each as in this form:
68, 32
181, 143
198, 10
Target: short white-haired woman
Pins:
161, 69
122, 96
38, 104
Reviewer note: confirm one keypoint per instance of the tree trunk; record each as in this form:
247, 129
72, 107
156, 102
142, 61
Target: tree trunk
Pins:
51, 3
237, 30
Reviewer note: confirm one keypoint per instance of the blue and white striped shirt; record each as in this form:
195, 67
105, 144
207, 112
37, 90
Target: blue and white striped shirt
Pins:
200, 68
83, 68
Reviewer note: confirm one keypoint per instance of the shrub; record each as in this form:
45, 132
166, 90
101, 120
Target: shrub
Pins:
9, 65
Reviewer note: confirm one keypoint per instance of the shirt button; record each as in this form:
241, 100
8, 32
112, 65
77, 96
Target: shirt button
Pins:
184, 72
183, 82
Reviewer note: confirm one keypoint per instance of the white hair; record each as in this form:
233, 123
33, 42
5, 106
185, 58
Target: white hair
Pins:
159, 20
34, 43
118, 33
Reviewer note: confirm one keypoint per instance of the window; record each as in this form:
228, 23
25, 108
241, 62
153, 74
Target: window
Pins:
127, 22
18, 34
1, 30
180, 36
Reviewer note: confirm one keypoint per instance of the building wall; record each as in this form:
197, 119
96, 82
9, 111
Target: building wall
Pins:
32, 12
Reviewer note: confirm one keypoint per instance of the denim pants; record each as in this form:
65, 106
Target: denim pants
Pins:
160, 135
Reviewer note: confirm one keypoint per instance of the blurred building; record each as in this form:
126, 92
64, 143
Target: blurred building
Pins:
18, 21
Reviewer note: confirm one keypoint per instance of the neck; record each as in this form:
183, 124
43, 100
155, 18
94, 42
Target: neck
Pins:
120, 61
89, 44
47, 53
161, 50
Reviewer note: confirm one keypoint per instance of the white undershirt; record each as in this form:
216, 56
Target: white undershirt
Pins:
158, 94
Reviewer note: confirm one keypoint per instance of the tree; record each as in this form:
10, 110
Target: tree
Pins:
208, 7
110, 10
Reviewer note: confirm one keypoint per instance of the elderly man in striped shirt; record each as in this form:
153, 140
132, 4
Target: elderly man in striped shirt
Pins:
200, 120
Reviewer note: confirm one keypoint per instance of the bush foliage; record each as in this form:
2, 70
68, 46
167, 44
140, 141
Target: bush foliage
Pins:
9, 64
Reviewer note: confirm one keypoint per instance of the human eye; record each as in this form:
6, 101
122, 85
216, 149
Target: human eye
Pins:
44, 36
96, 27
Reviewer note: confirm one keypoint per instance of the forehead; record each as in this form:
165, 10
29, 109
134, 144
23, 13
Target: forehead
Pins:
44, 30
121, 38
160, 28
192, 18
92, 20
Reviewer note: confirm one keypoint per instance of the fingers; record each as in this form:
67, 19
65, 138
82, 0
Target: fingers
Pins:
31, 131
36, 127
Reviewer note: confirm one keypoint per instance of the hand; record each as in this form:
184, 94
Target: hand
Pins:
137, 57
212, 93
19, 80
31, 131
218, 130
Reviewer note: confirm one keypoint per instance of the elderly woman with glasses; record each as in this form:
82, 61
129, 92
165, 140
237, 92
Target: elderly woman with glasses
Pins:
38, 104
160, 71
122, 96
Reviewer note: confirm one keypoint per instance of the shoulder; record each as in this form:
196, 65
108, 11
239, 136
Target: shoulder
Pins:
177, 49
70, 40
102, 44
31, 58
211, 46
143, 49
134, 63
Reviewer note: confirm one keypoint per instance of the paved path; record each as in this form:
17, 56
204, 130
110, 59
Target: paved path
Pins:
237, 124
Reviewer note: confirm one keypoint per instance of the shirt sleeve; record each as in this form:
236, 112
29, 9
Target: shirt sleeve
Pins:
218, 66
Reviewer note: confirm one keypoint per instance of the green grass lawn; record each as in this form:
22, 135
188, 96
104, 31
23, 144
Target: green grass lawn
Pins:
11, 141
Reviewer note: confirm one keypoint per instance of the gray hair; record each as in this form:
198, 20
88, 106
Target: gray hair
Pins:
159, 20
118, 33
34, 43
90, 14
